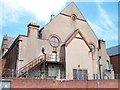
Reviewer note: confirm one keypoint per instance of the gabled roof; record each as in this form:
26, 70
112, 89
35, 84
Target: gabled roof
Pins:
113, 50
73, 9
73, 35
68, 11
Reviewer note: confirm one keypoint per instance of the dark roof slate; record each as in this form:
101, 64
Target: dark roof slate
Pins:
115, 50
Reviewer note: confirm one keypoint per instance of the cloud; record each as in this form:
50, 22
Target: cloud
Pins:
104, 26
109, 23
12, 10
102, 33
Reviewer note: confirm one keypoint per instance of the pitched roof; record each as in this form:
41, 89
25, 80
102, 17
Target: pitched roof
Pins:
113, 50
72, 9
73, 35
68, 11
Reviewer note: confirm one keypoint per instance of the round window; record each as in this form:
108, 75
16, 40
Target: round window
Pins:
92, 48
54, 41
74, 17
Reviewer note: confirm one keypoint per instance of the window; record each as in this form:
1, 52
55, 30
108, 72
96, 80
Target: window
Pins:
92, 48
107, 65
85, 73
40, 36
54, 56
73, 17
54, 41
80, 74
75, 74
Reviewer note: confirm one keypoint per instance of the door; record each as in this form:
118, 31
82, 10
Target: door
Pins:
52, 71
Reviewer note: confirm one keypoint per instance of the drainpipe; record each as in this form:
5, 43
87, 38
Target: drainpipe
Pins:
98, 67
43, 51
44, 64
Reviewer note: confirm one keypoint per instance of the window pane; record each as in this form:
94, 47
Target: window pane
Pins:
85, 74
75, 74
54, 41
107, 65
80, 74
54, 56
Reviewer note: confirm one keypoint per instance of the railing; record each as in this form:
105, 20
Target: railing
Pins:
33, 73
33, 63
49, 57
110, 66
38, 74
30, 65
6, 72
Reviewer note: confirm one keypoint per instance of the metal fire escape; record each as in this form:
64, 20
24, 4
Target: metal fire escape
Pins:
31, 65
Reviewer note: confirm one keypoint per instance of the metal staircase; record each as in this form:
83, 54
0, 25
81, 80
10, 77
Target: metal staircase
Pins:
39, 60
28, 68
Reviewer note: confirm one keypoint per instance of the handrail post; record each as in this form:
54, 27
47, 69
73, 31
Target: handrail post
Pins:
44, 64
32, 64
12, 73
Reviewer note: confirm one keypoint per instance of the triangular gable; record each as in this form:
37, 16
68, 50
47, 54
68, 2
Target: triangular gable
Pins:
72, 9
69, 11
75, 35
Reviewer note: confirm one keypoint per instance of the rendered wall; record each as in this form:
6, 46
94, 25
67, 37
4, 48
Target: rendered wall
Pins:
78, 53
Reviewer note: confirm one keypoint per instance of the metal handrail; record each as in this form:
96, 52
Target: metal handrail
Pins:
33, 63
30, 65
49, 57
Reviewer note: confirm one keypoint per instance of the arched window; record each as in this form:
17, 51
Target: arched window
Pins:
92, 48
54, 56
107, 65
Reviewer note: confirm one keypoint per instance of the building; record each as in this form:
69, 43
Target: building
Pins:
65, 48
114, 54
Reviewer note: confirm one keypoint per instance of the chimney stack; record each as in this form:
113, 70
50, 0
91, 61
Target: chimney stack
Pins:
33, 29
4, 46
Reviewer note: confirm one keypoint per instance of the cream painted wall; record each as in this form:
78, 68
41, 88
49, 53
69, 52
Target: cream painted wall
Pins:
31, 47
77, 53
65, 26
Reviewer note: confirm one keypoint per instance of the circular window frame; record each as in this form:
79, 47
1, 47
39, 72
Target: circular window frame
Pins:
93, 46
73, 17
54, 36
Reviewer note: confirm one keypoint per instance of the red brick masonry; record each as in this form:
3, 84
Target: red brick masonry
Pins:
35, 83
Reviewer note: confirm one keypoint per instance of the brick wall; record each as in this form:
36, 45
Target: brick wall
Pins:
115, 62
2, 64
35, 83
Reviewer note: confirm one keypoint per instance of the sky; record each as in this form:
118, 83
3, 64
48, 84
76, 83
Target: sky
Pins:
102, 16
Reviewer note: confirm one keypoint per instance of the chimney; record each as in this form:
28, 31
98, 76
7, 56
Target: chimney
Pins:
33, 29
4, 46
101, 42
